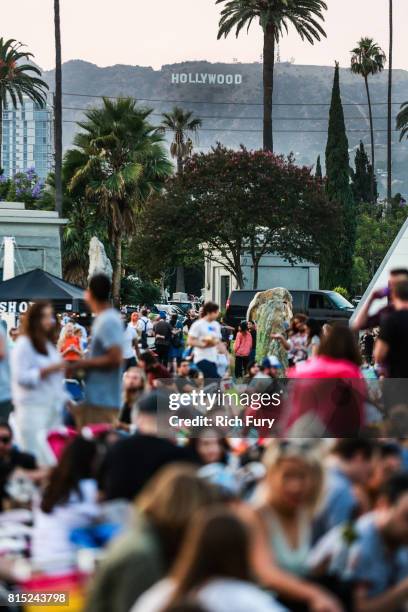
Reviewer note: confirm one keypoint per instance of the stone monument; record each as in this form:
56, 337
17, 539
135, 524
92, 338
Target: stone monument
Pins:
98, 260
272, 311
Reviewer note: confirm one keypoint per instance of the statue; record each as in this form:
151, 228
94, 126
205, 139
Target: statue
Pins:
98, 260
272, 311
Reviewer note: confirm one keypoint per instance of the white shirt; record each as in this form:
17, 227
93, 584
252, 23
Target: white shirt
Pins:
129, 338
52, 549
28, 388
144, 324
218, 595
203, 329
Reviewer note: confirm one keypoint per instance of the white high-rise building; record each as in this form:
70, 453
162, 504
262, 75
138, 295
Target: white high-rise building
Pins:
28, 139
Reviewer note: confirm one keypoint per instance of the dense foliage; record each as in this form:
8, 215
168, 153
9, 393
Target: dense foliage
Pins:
338, 268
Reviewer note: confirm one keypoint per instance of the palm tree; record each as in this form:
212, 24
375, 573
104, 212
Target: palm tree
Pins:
402, 120
368, 59
389, 118
181, 123
17, 79
58, 109
121, 162
274, 17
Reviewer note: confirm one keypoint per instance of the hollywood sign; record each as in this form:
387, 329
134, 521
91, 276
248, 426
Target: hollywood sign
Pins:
200, 78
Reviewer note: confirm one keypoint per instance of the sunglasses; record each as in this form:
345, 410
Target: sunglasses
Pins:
5, 439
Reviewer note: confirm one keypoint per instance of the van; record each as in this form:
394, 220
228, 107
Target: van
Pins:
324, 306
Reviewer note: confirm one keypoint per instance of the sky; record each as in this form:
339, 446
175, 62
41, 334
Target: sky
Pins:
157, 32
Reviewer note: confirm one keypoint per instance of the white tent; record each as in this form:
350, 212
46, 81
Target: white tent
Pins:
397, 257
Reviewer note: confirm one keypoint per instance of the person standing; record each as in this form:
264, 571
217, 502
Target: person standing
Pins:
6, 405
363, 319
252, 331
69, 344
204, 336
242, 349
144, 328
129, 346
162, 334
37, 381
103, 368
391, 347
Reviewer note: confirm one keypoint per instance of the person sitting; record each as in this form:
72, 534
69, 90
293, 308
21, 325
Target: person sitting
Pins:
214, 567
328, 393
69, 501
371, 554
351, 463
184, 381
144, 553
12, 459
133, 389
145, 451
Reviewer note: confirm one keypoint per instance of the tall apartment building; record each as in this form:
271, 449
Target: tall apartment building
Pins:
28, 139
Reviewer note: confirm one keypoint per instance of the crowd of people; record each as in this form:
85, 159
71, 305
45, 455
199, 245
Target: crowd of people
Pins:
312, 515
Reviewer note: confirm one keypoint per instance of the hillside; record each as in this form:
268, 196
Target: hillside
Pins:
232, 110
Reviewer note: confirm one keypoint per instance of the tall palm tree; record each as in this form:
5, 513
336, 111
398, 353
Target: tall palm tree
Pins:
18, 78
368, 59
58, 109
274, 17
121, 162
389, 117
181, 124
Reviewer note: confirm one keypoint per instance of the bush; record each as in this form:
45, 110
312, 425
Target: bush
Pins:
135, 291
342, 291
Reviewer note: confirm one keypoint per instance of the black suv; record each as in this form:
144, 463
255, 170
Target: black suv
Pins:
325, 306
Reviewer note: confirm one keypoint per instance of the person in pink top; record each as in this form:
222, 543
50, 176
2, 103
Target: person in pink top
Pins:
327, 393
242, 349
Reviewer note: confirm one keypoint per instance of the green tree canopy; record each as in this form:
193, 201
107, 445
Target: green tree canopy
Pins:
235, 202
121, 162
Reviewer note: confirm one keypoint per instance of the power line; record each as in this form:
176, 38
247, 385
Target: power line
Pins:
82, 95
259, 118
221, 129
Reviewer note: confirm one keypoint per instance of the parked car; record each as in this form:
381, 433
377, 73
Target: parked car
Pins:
325, 306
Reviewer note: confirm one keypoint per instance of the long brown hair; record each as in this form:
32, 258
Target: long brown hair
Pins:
32, 327
217, 545
78, 462
340, 343
169, 500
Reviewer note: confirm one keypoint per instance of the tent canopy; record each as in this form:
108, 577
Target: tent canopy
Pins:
39, 285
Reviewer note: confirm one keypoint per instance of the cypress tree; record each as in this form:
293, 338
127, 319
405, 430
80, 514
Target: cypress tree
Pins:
318, 173
361, 183
339, 189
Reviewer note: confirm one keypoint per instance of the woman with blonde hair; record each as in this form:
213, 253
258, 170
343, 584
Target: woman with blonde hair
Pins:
292, 488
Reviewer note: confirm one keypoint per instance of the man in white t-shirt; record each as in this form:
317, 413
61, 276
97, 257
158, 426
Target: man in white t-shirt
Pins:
144, 328
204, 336
129, 347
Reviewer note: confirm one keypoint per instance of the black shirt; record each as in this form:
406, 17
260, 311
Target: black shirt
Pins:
131, 462
394, 332
162, 330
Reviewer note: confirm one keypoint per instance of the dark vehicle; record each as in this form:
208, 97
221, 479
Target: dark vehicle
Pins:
325, 306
